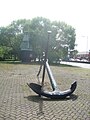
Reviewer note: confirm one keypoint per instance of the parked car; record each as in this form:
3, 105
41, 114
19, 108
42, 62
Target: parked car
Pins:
84, 60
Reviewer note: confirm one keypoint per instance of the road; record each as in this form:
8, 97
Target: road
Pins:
83, 65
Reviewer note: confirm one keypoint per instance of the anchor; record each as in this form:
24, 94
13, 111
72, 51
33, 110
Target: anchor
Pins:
56, 93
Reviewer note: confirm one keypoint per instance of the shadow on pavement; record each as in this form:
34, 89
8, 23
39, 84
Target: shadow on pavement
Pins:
40, 100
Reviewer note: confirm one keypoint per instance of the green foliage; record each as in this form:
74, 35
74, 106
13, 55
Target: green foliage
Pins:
4, 51
62, 34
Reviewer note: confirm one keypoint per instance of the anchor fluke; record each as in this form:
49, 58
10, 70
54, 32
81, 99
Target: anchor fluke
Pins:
73, 86
56, 94
35, 87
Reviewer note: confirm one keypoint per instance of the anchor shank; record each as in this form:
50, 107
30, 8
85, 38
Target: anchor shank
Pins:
52, 80
45, 58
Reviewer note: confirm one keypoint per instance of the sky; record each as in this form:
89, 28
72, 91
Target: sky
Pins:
73, 12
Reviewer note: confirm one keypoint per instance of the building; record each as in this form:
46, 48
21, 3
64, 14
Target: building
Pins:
26, 48
83, 55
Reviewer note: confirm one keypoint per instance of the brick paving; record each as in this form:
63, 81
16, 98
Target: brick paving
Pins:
19, 102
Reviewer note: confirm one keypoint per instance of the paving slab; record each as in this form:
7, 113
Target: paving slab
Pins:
19, 102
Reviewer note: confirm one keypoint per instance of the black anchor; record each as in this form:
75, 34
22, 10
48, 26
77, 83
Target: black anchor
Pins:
56, 93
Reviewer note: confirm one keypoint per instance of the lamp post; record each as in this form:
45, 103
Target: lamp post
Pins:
86, 42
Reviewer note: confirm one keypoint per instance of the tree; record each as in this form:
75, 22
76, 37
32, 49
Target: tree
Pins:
38, 34
65, 38
10, 38
62, 35
5, 52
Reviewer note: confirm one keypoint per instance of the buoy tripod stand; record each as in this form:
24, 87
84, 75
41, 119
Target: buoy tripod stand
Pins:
56, 93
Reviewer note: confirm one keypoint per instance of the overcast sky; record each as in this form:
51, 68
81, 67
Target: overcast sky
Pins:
73, 12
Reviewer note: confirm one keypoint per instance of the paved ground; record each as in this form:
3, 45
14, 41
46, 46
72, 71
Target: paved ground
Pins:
19, 102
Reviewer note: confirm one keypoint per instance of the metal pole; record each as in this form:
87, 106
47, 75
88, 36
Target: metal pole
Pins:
45, 59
